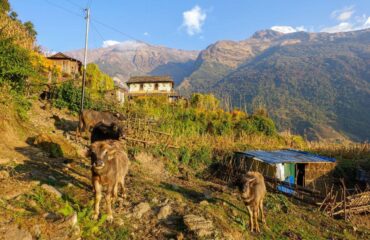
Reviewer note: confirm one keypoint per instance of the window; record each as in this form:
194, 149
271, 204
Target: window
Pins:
64, 66
156, 86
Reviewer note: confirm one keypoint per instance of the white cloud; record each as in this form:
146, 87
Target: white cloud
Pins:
361, 23
109, 43
347, 22
125, 45
193, 20
288, 29
146, 34
367, 23
343, 14
341, 27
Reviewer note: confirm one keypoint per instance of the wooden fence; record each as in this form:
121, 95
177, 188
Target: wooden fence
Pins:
346, 202
142, 131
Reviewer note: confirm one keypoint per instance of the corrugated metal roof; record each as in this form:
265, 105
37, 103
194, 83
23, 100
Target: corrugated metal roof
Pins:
287, 156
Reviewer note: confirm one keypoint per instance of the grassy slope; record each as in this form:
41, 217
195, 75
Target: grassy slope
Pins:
31, 167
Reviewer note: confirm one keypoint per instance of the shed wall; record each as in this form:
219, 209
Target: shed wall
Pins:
319, 175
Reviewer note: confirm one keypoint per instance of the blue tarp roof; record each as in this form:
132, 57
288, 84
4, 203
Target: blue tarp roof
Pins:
287, 156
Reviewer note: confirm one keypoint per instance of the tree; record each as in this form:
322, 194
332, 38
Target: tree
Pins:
13, 15
96, 80
204, 101
4, 6
30, 28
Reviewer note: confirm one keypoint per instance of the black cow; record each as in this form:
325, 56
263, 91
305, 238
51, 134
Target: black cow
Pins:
103, 132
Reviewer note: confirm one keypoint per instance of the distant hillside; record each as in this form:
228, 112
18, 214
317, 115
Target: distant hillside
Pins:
132, 58
316, 84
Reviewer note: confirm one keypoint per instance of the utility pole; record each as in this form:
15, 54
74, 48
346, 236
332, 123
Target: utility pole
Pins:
87, 17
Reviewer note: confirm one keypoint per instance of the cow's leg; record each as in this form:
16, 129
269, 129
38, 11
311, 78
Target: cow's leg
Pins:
115, 192
262, 213
122, 197
255, 217
93, 181
123, 188
108, 199
250, 218
98, 194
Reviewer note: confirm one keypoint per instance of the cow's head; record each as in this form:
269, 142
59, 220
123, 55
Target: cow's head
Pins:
248, 184
119, 116
101, 154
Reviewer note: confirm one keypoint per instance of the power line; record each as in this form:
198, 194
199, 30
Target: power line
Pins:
64, 9
75, 4
88, 4
97, 21
118, 31
97, 31
94, 27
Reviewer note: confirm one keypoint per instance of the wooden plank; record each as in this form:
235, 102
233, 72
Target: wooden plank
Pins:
293, 186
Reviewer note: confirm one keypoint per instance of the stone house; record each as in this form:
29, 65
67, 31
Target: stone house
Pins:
68, 65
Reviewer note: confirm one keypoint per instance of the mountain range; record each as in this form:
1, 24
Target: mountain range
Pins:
314, 84
133, 58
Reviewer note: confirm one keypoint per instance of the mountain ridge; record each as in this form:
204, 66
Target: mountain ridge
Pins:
134, 58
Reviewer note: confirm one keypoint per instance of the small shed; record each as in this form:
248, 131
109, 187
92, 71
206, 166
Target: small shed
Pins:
297, 167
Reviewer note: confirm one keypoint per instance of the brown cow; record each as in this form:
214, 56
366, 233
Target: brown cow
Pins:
109, 167
253, 193
89, 118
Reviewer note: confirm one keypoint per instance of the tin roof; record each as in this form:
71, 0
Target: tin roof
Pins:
286, 156
149, 79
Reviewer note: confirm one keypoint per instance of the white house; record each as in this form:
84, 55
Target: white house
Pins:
151, 86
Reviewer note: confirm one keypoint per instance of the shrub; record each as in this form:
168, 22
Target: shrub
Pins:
15, 64
202, 155
264, 124
204, 101
22, 105
69, 96
184, 155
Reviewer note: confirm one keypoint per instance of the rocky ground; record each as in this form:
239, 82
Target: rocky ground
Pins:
45, 193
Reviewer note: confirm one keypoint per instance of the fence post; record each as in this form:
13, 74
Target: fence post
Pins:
344, 199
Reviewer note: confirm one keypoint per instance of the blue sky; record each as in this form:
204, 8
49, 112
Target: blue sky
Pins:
184, 24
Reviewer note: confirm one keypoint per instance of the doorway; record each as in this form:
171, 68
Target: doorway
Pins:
300, 174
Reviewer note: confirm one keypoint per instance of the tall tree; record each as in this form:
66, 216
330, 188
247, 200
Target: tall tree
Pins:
4, 6
30, 28
13, 15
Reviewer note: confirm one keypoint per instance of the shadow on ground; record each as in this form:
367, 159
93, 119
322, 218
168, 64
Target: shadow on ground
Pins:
57, 171
189, 194
64, 124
